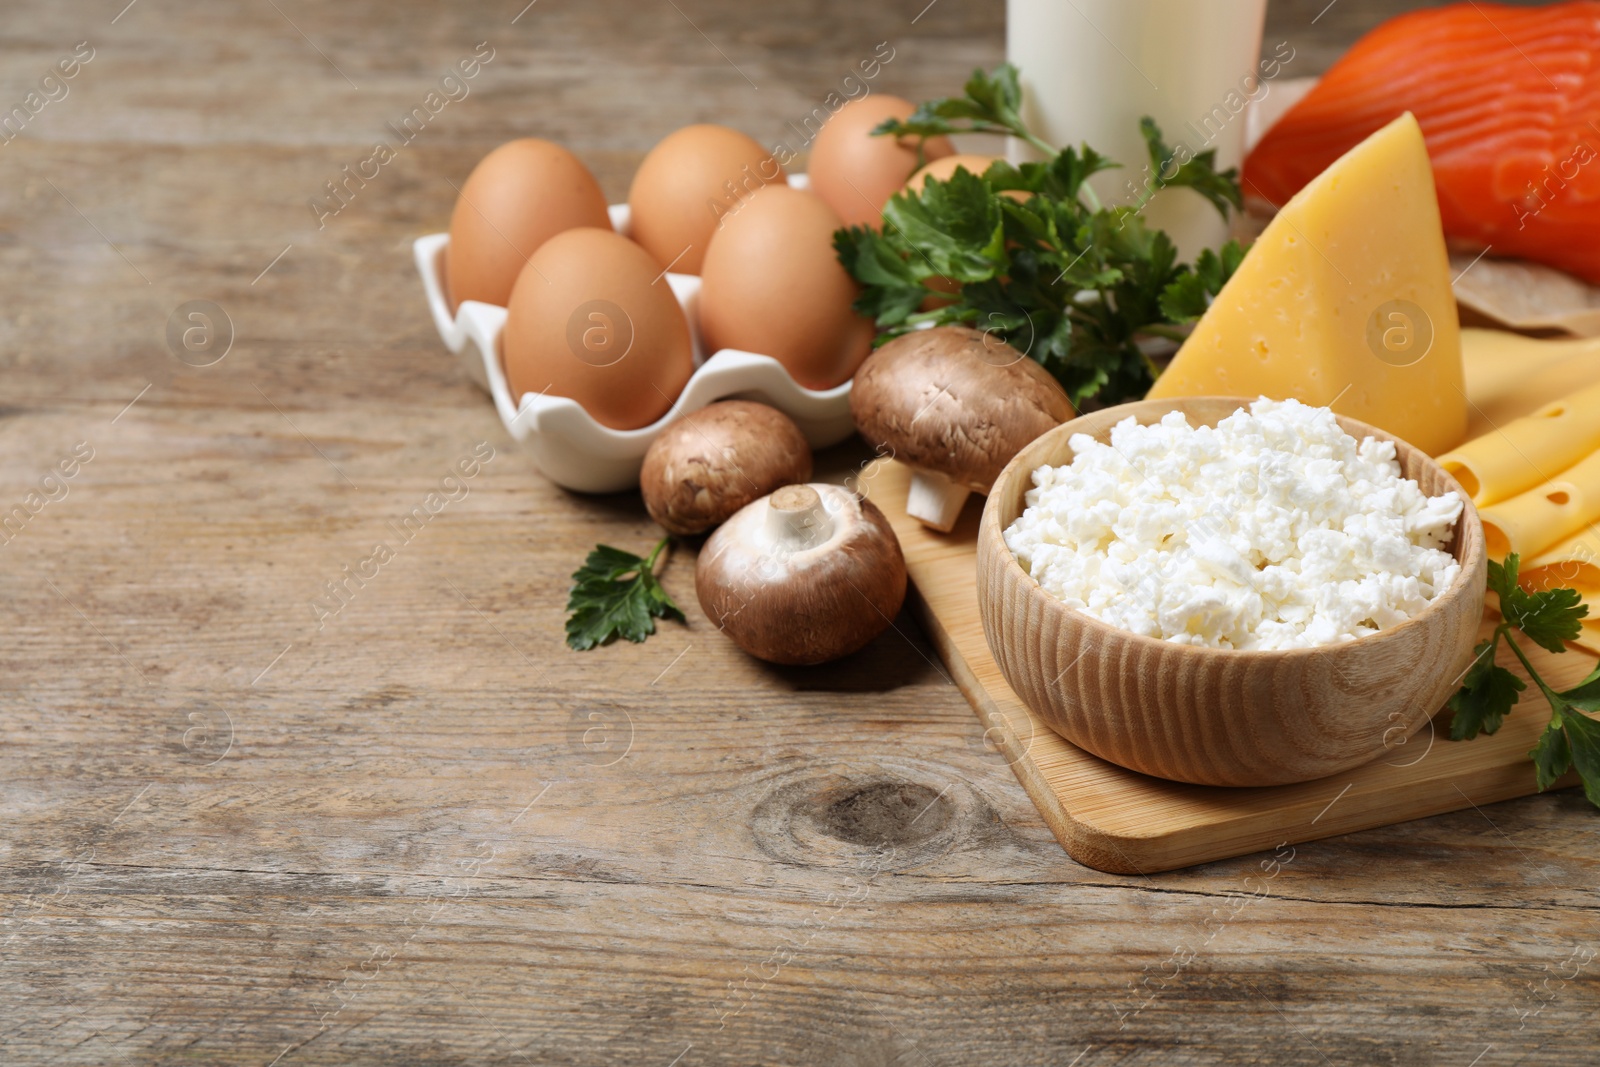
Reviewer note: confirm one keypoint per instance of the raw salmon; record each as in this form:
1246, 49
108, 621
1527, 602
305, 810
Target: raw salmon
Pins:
1509, 102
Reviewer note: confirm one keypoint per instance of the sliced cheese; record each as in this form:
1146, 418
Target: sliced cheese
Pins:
1528, 451
1357, 255
1589, 637
1573, 563
1509, 375
1545, 516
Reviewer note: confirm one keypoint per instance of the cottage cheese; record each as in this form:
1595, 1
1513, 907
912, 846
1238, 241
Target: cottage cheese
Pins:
1275, 529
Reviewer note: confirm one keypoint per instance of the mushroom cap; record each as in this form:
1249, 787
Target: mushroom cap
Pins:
714, 461
955, 400
809, 604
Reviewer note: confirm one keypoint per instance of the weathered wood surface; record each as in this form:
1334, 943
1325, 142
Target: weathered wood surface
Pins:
427, 834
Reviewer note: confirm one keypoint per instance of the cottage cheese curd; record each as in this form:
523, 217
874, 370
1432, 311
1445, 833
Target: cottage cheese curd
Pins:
1273, 530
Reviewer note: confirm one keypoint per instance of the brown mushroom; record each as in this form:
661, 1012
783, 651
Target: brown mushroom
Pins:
803, 576
954, 404
714, 461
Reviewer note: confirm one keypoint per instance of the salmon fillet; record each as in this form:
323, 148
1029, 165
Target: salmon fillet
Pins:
1509, 103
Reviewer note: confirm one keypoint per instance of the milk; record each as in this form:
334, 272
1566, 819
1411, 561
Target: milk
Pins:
1091, 68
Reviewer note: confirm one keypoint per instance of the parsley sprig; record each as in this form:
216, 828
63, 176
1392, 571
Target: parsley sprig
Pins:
606, 603
1074, 285
1549, 618
992, 104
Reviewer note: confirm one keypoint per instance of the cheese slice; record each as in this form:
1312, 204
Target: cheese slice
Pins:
1344, 300
1589, 637
1509, 375
1573, 563
1546, 515
1528, 451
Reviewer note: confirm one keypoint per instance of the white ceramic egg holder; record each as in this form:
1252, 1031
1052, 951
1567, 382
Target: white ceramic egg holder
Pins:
569, 446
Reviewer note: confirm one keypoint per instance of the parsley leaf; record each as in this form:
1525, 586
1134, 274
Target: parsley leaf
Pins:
1197, 172
605, 603
1549, 618
1586, 694
1551, 756
956, 226
1188, 298
992, 104
893, 289
1503, 577
1583, 747
1185, 300
1026, 252
1486, 697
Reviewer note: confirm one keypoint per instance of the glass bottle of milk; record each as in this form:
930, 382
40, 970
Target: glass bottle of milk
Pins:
1091, 68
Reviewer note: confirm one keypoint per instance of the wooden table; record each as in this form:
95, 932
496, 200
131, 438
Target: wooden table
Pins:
240, 829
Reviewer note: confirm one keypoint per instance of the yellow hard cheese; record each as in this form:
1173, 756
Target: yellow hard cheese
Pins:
1523, 453
1344, 300
1545, 516
1510, 376
1573, 563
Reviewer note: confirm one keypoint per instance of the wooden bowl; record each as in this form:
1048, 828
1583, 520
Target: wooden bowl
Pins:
1217, 716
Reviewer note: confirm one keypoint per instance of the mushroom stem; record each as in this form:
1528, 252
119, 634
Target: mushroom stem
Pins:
796, 518
935, 500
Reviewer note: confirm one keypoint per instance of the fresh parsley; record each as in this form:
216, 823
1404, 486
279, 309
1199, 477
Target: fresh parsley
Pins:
1038, 261
992, 104
1548, 618
606, 603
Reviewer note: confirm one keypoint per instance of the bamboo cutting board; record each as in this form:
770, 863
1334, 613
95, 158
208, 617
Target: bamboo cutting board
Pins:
1123, 822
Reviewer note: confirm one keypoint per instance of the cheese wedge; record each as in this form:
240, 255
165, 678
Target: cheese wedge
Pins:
1345, 300
1528, 451
1536, 521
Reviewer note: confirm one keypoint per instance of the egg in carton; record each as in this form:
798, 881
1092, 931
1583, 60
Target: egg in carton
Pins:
568, 445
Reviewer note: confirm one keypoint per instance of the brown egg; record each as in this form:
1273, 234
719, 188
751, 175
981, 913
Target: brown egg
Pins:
687, 184
592, 318
943, 168
854, 172
517, 198
772, 285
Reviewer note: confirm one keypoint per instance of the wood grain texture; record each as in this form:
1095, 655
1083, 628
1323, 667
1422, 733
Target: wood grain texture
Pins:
231, 837
1219, 716
1118, 820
